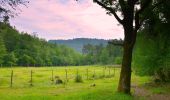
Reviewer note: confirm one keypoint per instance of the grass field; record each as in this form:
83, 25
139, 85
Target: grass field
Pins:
43, 88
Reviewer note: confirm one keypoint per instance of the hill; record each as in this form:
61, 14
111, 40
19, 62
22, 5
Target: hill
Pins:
22, 49
78, 43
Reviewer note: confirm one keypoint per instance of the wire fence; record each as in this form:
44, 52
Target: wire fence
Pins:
24, 77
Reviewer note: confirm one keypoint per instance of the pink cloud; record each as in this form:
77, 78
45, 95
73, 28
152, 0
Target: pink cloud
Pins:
53, 19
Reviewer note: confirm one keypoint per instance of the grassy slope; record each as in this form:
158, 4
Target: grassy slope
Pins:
44, 89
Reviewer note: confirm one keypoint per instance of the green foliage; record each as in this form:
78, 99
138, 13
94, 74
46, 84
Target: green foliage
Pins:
99, 54
78, 43
25, 60
10, 59
118, 60
2, 50
154, 56
24, 49
152, 51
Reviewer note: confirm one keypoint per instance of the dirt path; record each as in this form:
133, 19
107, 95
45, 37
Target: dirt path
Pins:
147, 95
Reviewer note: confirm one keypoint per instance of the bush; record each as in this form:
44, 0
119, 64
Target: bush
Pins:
59, 81
78, 79
162, 75
118, 60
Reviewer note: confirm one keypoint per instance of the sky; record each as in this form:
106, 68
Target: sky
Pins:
66, 19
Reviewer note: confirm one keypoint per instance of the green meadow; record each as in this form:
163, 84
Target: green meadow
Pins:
98, 83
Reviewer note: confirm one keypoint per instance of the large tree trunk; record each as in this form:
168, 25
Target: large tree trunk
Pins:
125, 75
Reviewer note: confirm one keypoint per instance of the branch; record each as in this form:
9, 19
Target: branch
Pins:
116, 42
157, 4
135, 1
138, 22
146, 4
137, 19
111, 11
122, 5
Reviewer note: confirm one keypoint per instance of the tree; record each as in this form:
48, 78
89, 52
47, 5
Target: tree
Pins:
10, 59
115, 51
131, 21
88, 49
26, 60
2, 50
155, 60
8, 8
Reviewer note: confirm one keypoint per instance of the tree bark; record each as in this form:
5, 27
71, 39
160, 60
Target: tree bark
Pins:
125, 75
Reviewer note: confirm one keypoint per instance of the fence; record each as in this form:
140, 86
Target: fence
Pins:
23, 77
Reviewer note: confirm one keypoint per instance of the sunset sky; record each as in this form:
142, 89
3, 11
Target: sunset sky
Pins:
67, 19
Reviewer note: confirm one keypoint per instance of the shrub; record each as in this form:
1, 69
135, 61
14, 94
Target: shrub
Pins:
78, 79
59, 81
162, 75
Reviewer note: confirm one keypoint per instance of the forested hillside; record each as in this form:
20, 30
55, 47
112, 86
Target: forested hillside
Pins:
78, 43
23, 49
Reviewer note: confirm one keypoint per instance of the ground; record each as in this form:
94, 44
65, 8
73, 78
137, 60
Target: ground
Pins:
152, 91
105, 79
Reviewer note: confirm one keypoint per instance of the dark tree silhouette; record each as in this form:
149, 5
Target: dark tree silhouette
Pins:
9, 7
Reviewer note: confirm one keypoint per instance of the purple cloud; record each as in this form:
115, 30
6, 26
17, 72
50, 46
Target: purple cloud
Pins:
59, 19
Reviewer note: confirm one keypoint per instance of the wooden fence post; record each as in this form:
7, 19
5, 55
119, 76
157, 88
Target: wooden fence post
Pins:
31, 79
94, 74
77, 73
52, 76
104, 72
87, 73
109, 71
11, 83
66, 75
114, 70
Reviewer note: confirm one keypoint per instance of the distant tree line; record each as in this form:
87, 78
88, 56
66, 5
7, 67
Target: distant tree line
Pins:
23, 49
78, 43
99, 54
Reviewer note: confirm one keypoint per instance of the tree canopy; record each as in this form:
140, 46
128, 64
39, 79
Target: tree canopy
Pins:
153, 58
131, 19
